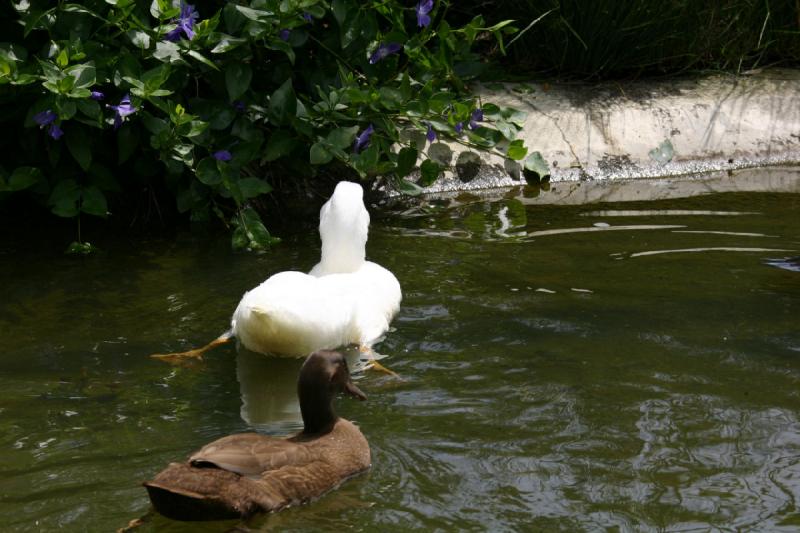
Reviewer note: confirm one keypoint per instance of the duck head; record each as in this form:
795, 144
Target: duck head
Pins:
324, 374
343, 229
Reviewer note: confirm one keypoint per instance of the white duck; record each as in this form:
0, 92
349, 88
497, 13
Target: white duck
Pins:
343, 300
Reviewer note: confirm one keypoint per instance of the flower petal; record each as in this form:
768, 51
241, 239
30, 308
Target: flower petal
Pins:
430, 135
222, 155
383, 50
54, 131
422, 9
362, 140
43, 118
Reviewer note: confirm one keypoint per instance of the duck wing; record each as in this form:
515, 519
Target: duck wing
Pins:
251, 454
294, 314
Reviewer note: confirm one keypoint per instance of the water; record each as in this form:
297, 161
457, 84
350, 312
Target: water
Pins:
551, 380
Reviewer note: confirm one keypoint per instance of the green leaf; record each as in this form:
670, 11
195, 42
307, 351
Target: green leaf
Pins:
509, 131
90, 108
237, 79
391, 98
139, 39
23, 177
491, 110
93, 201
485, 137
406, 160
251, 187
429, 172
84, 75
102, 177
208, 172
283, 104
77, 8
64, 198
80, 248
139, 84
535, 168
50, 72
154, 78
183, 153
254, 14
340, 9
62, 59
65, 85
280, 144
319, 154
282, 46
167, 52
406, 187
79, 93
203, 59
342, 138
250, 233
153, 124
195, 128
516, 150
127, 142
78, 145
227, 43
219, 114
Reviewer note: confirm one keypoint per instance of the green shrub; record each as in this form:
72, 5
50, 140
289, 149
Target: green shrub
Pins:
213, 100
603, 39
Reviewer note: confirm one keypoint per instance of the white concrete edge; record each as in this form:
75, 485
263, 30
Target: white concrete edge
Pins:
637, 129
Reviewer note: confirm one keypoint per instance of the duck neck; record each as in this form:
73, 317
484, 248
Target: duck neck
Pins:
341, 257
316, 406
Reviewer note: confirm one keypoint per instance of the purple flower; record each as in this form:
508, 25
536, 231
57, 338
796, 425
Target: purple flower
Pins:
362, 141
459, 127
97, 96
54, 131
122, 110
43, 118
307, 17
476, 117
48, 118
222, 155
384, 50
239, 106
423, 8
284, 34
430, 135
184, 24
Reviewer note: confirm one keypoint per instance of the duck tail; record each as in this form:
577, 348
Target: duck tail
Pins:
185, 492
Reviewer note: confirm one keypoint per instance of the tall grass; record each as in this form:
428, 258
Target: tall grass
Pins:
601, 39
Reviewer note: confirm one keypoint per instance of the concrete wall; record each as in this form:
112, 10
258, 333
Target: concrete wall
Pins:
640, 129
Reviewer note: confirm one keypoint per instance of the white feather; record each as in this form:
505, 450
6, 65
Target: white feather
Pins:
343, 300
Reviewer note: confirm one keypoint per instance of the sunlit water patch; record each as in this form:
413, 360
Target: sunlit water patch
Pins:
629, 366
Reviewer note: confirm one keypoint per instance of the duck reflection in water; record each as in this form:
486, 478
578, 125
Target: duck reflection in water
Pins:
268, 387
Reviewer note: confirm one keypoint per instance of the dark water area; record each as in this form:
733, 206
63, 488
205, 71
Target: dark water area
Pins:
623, 366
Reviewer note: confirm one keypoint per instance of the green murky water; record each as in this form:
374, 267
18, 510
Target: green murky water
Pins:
552, 380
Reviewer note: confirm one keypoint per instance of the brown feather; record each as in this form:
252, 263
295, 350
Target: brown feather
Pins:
242, 474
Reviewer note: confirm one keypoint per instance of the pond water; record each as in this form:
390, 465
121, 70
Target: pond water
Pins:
641, 373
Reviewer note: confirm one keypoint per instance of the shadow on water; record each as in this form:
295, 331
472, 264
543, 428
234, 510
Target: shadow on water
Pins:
613, 365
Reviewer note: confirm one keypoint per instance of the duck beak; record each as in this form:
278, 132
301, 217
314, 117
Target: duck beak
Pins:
354, 391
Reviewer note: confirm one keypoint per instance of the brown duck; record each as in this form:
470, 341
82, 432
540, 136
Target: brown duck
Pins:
247, 473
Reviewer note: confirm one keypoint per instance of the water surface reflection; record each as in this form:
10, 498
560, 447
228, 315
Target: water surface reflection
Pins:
552, 380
